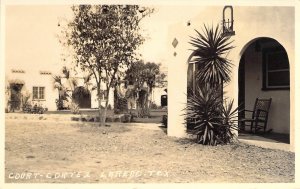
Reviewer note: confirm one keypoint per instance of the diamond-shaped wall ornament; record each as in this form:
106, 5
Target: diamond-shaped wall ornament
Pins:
175, 42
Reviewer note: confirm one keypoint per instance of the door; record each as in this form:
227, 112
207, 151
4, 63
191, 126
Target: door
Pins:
15, 97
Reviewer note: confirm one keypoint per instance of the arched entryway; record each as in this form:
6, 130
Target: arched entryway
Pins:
82, 96
264, 73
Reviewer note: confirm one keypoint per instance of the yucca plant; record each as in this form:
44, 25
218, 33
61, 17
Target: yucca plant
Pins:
228, 122
203, 114
209, 119
210, 56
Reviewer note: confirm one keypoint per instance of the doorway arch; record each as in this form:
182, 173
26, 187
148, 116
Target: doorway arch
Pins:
264, 73
82, 96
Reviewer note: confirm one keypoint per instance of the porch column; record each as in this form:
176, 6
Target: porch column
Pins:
177, 89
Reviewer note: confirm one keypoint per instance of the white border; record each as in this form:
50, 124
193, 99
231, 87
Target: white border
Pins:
295, 3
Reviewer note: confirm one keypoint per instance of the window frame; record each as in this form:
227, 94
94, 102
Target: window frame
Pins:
38, 93
265, 71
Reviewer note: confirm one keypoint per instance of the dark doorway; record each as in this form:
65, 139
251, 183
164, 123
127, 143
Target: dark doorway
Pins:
15, 96
241, 97
82, 96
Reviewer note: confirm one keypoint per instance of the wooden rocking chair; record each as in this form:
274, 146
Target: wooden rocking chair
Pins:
259, 115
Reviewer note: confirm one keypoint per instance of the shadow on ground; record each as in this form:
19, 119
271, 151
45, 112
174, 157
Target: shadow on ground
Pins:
267, 137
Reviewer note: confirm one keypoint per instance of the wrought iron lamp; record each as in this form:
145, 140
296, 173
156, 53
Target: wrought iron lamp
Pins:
227, 23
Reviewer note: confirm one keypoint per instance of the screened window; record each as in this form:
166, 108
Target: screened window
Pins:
38, 93
276, 69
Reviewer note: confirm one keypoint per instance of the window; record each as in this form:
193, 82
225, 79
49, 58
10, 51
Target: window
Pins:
276, 74
38, 93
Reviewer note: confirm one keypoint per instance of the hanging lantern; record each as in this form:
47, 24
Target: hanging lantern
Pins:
227, 22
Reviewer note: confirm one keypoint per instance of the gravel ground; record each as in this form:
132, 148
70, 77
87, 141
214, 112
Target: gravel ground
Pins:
72, 152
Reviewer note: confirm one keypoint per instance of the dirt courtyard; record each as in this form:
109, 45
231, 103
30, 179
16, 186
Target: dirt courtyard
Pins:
74, 152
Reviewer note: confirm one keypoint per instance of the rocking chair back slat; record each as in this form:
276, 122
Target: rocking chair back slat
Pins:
260, 114
262, 104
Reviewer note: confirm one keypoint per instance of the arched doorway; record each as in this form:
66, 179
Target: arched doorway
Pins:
82, 96
264, 73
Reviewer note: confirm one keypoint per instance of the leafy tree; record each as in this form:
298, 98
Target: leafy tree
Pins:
144, 78
104, 39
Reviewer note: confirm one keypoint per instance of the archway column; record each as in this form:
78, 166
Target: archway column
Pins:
177, 98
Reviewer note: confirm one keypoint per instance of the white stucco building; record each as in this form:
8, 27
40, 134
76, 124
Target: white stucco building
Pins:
39, 84
263, 58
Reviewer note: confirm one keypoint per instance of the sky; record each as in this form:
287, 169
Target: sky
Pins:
156, 27
31, 34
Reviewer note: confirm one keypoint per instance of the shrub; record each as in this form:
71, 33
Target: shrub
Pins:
25, 98
59, 104
35, 109
228, 122
207, 117
74, 108
120, 103
109, 107
153, 106
38, 109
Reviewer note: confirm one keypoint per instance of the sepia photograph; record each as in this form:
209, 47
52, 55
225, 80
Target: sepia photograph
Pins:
99, 92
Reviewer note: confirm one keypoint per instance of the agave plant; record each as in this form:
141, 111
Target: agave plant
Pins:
210, 55
228, 122
203, 114
211, 120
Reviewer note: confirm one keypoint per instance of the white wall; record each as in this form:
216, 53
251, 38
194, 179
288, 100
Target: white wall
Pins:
32, 78
156, 95
249, 23
94, 98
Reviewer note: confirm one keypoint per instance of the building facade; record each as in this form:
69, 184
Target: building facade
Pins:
263, 63
38, 86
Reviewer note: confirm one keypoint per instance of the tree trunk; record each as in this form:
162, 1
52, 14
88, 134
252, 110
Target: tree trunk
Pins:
143, 109
146, 105
137, 105
105, 108
99, 103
